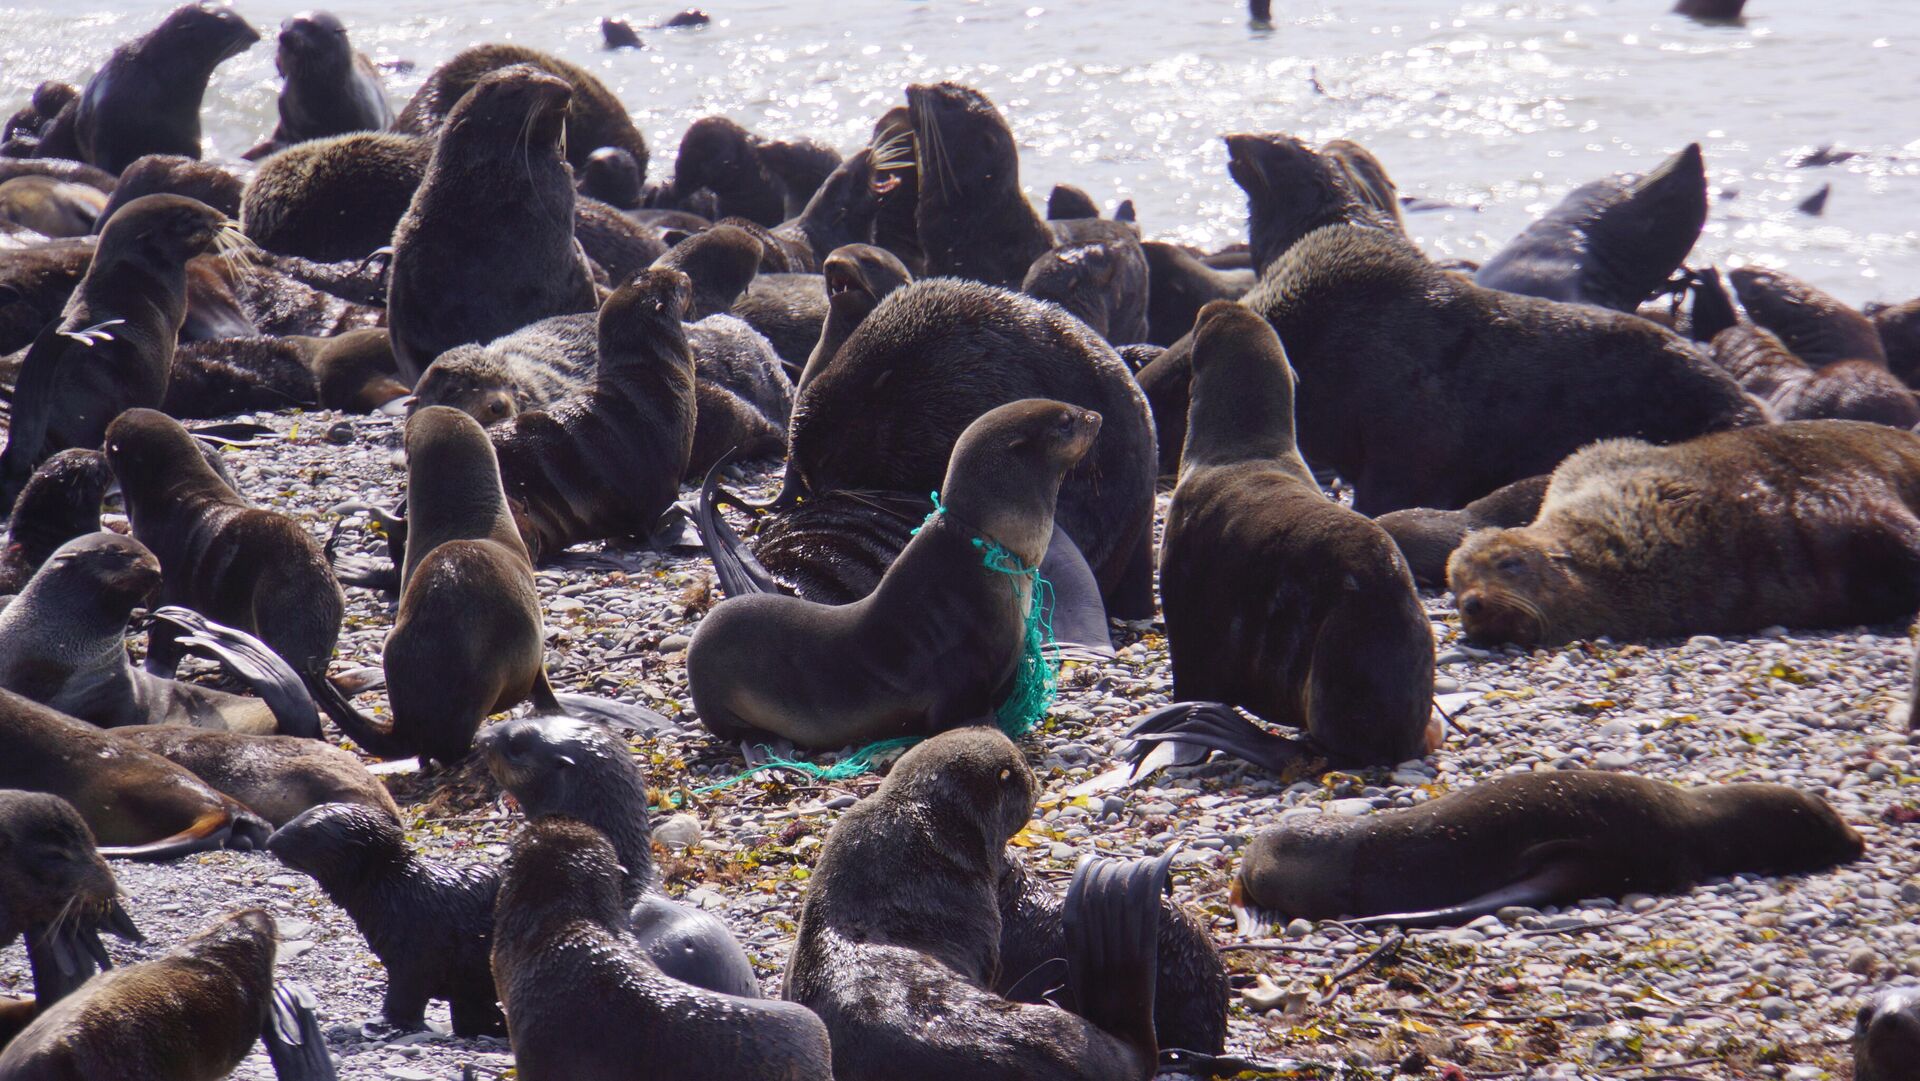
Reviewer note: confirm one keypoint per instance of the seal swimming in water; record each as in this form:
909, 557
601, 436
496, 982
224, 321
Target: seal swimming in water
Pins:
1886, 1037
565, 968
900, 932
1803, 524
498, 159
429, 923
1535, 839
331, 89
276, 777
61, 501
825, 676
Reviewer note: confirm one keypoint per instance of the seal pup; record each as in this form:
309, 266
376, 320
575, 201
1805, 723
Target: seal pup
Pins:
613, 177
1803, 524
50, 207
1819, 328
1293, 190
1086, 279
824, 676
430, 923
1612, 242
565, 966
276, 777
559, 765
899, 935
335, 199
498, 159
61, 501
1277, 598
1886, 1037
139, 805
1179, 285
718, 154
1899, 328
1428, 538
1794, 390
146, 98
331, 88
113, 344
1535, 839
174, 174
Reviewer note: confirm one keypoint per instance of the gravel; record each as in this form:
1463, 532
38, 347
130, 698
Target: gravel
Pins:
1745, 977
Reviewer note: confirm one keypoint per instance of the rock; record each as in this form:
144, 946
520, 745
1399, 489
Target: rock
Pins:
340, 434
1299, 928
1862, 962
674, 643
681, 831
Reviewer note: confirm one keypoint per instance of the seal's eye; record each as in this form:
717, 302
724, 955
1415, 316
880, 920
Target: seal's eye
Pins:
1510, 565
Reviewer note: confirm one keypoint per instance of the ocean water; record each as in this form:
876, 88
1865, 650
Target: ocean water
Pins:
1496, 107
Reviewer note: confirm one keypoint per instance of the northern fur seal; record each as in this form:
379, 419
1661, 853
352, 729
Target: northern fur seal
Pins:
1795, 390
1179, 285
1548, 837
824, 676
1818, 327
331, 89
1612, 242
718, 154
1428, 537
429, 923
1293, 190
885, 410
1278, 599
594, 119
35, 284
1804, 524
585, 1003
114, 342
1886, 1037
61, 501
277, 777
1089, 280
1899, 328
899, 939
857, 278
499, 160
146, 98
139, 806
559, 765
334, 199
613, 177
50, 207
174, 174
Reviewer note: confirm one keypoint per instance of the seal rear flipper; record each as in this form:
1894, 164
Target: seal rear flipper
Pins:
292, 1035
373, 738
369, 572
739, 572
1077, 614
234, 433
1216, 727
1560, 870
27, 431
621, 715
269, 677
62, 959
235, 828
1112, 919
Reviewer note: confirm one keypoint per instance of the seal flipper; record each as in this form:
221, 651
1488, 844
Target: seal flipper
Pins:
234, 433
1559, 870
235, 828
621, 715
373, 738
62, 959
739, 572
292, 1034
1077, 615
1217, 727
1112, 921
365, 571
27, 431
270, 677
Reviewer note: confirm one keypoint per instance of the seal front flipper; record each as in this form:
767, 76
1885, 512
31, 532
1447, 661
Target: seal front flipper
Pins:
62, 958
270, 677
234, 434
1077, 614
1112, 919
1216, 727
622, 715
292, 1035
739, 572
1560, 871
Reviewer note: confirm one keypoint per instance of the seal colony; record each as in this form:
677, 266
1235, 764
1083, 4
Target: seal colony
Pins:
972, 402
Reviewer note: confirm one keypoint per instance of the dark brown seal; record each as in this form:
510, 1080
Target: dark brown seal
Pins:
499, 160
50, 207
899, 938
1818, 327
1805, 524
1534, 839
330, 88
718, 154
35, 284
1277, 598
1293, 190
1899, 329
857, 278
1179, 285
61, 501
1087, 279
1795, 390
172, 174
277, 777
825, 677
334, 199
1886, 1037
585, 1003
113, 344
1428, 537
430, 924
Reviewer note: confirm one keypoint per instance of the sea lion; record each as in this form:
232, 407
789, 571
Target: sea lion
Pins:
498, 160
173, 174
934, 356
61, 501
114, 342
277, 777
1886, 1037
1612, 242
1179, 285
1427, 537
54, 208
613, 177
146, 98
330, 88
900, 932
1794, 390
1818, 327
1278, 599
1899, 328
1535, 839
429, 923
1804, 524
191, 1014
565, 967
334, 199
1293, 190
825, 677
718, 154
595, 118
579, 769
138, 805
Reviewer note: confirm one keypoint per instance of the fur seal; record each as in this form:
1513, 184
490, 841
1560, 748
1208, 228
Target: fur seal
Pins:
558, 765
1066, 202
354, 371
1819, 328
50, 207
1547, 837
613, 177
566, 968
900, 933
1293, 190
718, 154
1794, 390
1278, 599
334, 199
1179, 285
595, 117
884, 412
277, 777
825, 677
61, 501
429, 923
146, 98
1803, 524
841, 212
1612, 242
114, 342
27, 126
499, 160
35, 284
1089, 281
1428, 537
331, 89
1710, 11
1899, 328
173, 174
1886, 1037
139, 805
857, 278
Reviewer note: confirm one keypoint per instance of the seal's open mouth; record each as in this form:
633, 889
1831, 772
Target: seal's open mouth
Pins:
842, 278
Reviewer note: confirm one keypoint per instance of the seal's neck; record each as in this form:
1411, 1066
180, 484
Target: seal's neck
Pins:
1241, 410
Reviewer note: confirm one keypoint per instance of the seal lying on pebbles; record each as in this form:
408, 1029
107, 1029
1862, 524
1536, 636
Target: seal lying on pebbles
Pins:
139, 805
334, 199
1293, 190
1611, 243
331, 88
277, 777
1534, 839
1794, 390
561, 765
1886, 1037
825, 677
1816, 326
60, 501
430, 924
1428, 537
585, 1003
1805, 524
899, 936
